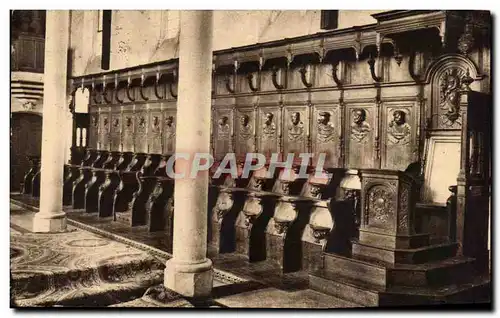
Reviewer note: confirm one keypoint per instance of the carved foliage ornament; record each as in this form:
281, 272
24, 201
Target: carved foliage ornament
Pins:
403, 209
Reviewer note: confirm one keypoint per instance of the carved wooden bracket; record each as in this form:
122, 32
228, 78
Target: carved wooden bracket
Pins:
118, 86
105, 91
156, 86
229, 85
303, 72
170, 86
371, 63
250, 78
397, 55
141, 92
94, 93
335, 77
274, 77
128, 89
411, 68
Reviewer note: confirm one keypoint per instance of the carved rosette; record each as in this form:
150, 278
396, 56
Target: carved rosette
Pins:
380, 207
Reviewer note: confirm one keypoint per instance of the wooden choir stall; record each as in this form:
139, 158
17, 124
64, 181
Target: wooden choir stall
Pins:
405, 125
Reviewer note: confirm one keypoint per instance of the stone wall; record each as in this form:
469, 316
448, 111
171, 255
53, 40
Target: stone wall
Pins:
147, 36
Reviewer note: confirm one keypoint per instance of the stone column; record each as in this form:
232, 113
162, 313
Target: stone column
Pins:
189, 272
51, 217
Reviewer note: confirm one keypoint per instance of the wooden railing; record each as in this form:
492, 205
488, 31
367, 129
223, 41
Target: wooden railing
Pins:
28, 53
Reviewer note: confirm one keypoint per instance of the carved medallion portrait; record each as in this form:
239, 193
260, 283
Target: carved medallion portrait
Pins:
155, 124
128, 123
268, 128
398, 130
94, 121
295, 128
223, 137
325, 128
268, 138
245, 142
223, 129
169, 135
359, 127
246, 131
142, 123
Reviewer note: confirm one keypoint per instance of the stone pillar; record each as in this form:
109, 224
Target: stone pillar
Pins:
51, 217
189, 272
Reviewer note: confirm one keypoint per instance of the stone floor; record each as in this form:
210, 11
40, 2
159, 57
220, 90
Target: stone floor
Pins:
80, 268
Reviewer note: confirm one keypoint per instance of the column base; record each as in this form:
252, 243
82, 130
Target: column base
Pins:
51, 223
189, 280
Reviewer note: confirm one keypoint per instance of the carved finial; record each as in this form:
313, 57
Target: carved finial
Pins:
467, 80
466, 40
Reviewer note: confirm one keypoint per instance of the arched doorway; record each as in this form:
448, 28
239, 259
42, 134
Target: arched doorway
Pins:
25, 140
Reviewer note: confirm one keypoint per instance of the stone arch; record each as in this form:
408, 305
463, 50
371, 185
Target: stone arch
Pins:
450, 60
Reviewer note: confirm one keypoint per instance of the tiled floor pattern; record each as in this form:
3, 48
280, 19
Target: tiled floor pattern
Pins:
120, 284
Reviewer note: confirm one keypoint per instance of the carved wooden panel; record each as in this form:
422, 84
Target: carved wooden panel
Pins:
245, 129
93, 129
128, 131
296, 130
154, 140
223, 130
360, 132
269, 130
446, 92
398, 135
104, 129
381, 206
115, 135
404, 215
168, 134
140, 135
325, 134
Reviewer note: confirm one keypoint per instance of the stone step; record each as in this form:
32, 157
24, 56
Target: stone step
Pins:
405, 256
97, 293
38, 282
365, 294
385, 274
